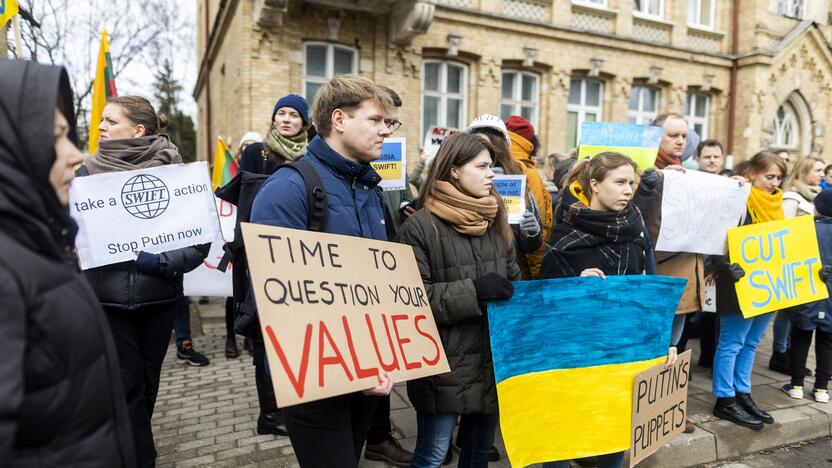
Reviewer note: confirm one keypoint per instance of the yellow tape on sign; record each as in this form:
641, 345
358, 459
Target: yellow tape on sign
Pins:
781, 262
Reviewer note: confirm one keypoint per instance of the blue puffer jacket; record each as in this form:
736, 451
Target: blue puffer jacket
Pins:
818, 314
354, 207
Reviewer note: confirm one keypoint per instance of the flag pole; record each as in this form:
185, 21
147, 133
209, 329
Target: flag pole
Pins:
18, 41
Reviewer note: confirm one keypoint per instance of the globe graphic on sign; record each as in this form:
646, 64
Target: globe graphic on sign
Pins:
145, 196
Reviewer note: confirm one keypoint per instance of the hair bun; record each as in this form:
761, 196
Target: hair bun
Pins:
163, 121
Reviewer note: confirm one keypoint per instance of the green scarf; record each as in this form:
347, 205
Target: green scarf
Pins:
288, 148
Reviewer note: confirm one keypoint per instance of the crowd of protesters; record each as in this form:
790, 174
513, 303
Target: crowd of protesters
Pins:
83, 351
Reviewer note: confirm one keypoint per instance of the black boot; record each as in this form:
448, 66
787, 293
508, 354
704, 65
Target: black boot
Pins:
730, 410
271, 423
779, 362
744, 399
231, 350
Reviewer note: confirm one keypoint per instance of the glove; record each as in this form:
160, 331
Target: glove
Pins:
736, 271
825, 273
650, 178
149, 263
529, 225
493, 287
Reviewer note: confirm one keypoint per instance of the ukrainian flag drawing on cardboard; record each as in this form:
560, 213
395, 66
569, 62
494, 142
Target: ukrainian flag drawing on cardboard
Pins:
392, 164
638, 142
566, 352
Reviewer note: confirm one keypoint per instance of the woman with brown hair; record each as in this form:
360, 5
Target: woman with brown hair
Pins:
465, 251
139, 297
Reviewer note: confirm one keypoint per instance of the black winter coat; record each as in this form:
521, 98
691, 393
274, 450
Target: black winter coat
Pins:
61, 397
449, 263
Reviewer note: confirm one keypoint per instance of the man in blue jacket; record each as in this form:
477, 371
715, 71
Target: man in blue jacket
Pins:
349, 114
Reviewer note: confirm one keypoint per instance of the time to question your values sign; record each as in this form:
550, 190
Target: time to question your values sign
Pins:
336, 311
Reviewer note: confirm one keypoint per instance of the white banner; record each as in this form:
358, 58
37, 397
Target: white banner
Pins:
152, 210
697, 210
206, 280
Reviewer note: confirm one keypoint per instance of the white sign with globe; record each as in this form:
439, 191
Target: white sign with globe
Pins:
154, 210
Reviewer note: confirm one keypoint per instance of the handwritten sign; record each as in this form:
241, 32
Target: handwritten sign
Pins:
512, 189
336, 310
153, 210
638, 142
660, 401
434, 138
565, 354
781, 263
697, 211
391, 165
206, 280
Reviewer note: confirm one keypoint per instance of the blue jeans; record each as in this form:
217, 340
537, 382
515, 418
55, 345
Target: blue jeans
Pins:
433, 439
610, 460
182, 322
782, 332
734, 357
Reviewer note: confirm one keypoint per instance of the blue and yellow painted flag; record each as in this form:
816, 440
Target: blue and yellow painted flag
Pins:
638, 142
8, 8
566, 352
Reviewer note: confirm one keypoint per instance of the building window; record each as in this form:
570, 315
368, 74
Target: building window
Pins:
786, 128
444, 86
644, 105
790, 8
322, 61
697, 107
585, 102
701, 13
649, 8
520, 95
595, 3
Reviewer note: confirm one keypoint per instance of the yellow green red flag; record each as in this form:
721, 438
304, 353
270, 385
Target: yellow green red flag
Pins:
8, 8
225, 167
103, 87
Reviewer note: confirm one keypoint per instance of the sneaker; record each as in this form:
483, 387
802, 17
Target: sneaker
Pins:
795, 391
821, 395
388, 451
188, 354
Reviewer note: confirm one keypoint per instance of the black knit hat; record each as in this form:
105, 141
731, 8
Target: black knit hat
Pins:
295, 102
823, 202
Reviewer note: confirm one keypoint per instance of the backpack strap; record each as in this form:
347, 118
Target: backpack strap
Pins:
317, 209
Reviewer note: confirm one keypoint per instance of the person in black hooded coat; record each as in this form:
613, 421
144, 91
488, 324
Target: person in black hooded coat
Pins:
61, 399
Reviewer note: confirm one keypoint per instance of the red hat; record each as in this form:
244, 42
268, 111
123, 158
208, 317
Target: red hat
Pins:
520, 126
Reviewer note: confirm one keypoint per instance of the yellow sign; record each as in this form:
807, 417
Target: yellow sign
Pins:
781, 262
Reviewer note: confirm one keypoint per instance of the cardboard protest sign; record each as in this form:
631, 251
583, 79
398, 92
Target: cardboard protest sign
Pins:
392, 164
781, 262
335, 310
512, 189
638, 142
152, 210
566, 352
206, 280
660, 403
697, 210
434, 138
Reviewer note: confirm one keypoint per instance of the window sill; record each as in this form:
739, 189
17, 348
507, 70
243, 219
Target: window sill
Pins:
592, 8
652, 19
694, 28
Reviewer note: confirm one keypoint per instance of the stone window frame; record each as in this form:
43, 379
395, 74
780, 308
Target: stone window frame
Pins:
786, 124
516, 101
329, 66
582, 108
639, 13
639, 115
795, 9
695, 13
443, 94
691, 109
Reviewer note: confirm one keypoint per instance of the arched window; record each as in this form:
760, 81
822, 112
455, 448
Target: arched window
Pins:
322, 61
643, 106
444, 94
786, 127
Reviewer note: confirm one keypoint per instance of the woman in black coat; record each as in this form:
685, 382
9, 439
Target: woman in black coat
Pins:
61, 398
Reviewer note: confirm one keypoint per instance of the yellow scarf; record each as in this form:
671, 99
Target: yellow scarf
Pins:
764, 206
578, 191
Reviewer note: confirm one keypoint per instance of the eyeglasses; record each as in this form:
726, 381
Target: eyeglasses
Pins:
393, 125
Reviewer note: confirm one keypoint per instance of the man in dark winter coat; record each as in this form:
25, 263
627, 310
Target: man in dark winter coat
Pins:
349, 113
61, 397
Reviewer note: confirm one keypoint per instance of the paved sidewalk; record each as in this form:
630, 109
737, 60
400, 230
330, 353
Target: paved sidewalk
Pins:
206, 416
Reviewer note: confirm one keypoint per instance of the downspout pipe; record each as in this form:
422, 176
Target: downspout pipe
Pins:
732, 92
207, 73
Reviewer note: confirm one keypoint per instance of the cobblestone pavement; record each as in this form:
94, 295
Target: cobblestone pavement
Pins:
206, 416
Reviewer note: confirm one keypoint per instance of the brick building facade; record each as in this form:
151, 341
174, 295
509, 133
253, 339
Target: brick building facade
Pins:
558, 62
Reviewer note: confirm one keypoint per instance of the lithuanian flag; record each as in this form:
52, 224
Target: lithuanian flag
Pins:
225, 167
8, 8
566, 353
103, 88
